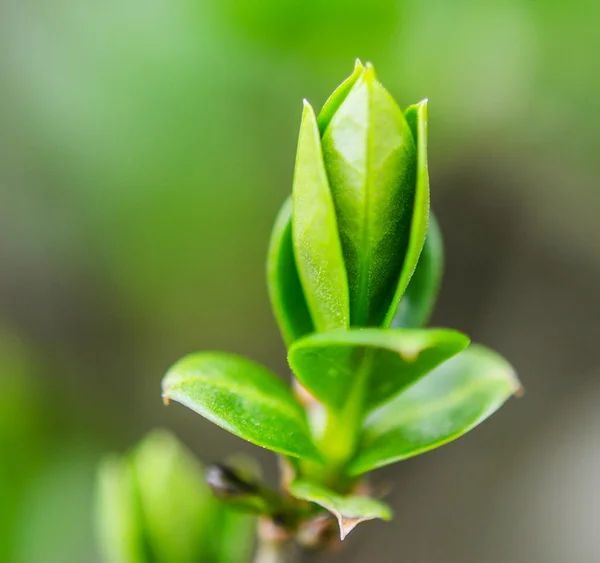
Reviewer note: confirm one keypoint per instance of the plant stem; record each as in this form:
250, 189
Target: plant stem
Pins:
273, 543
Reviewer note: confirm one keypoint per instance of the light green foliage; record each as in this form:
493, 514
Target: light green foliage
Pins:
389, 360
351, 251
315, 234
152, 506
450, 401
242, 397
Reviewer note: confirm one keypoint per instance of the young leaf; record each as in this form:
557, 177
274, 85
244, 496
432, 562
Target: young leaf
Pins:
416, 117
418, 301
315, 235
285, 290
371, 161
339, 95
244, 398
441, 407
177, 507
118, 519
328, 364
350, 510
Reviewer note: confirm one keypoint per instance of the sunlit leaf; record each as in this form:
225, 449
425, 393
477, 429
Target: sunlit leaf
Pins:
350, 510
441, 407
315, 236
371, 163
389, 360
242, 397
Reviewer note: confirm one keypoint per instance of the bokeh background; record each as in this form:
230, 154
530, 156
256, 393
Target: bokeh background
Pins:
145, 147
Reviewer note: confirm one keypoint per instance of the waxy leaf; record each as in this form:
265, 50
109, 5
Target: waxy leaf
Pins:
350, 510
371, 161
285, 290
417, 303
383, 361
315, 235
244, 398
441, 407
416, 117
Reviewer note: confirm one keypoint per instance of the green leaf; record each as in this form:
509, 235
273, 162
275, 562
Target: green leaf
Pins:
339, 95
329, 364
350, 510
370, 158
315, 235
236, 537
285, 290
417, 303
177, 507
416, 117
244, 398
118, 521
441, 407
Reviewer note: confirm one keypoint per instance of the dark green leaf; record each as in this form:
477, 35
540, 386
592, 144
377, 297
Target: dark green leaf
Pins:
441, 407
285, 290
416, 117
417, 303
370, 158
244, 398
350, 510
328, 364
315, 235
339, 95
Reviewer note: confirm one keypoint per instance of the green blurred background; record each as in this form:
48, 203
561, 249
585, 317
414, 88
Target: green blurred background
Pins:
145, 147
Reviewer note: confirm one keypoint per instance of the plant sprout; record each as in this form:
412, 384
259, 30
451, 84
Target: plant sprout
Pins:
353, 270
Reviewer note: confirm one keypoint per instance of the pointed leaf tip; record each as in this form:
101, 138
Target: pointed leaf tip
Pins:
244, 398
349, 510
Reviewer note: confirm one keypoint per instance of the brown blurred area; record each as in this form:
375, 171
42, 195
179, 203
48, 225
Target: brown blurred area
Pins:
145, 148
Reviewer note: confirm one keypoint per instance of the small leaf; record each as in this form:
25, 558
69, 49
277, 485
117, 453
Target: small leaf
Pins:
416, 117
339, 95
244, 398
417, 303
371, 162
118, 519
315, 235
350, 510
327, 364
441, 407
177, 507
285, 289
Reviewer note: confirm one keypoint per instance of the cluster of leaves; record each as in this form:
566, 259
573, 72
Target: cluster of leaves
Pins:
153, 506
354, 268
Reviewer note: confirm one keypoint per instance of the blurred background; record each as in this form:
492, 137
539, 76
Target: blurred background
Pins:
145, 148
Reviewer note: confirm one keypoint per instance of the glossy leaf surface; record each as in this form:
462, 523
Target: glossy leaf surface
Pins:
315, 234
416, 118
418, 301
350, 510
285, 290
329, 364
242, 397
441, 407
370, 158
